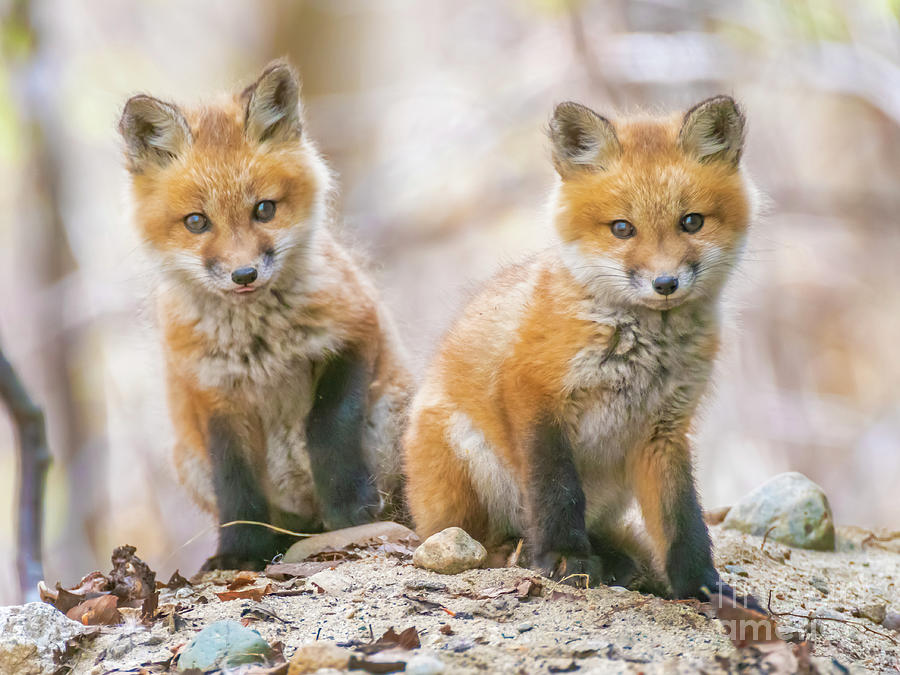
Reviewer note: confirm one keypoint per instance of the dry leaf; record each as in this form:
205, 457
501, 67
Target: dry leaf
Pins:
283, 571
744, 626
177, 581
408, 639
100, 611
254, 594
243, 579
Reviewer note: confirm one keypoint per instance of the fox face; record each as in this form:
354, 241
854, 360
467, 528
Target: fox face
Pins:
228, 195
651, 212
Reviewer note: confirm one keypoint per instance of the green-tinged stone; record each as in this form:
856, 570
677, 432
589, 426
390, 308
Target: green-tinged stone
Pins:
791, 508
224, 644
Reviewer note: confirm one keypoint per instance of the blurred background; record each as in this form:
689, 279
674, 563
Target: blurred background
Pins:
434, 116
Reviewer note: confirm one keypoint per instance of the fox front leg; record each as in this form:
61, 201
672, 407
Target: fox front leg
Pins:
664, 484
559, 542
239, 496
345, 484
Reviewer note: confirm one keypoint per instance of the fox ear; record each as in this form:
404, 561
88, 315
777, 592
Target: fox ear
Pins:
155, 132
582, 139
273, 108
713, 130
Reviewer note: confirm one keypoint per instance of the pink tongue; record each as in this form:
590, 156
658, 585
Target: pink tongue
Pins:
244, 289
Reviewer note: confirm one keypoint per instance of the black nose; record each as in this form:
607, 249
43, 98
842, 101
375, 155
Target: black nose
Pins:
665, 285
244, 275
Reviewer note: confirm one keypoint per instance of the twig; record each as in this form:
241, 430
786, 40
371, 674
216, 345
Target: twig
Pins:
762, 547
34, 460
850, 622
872, 537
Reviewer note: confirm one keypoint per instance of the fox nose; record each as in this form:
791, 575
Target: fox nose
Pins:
665, 285
244, 275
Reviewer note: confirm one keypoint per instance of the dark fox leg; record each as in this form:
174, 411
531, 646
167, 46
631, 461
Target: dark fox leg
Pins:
664, 484
558, 541
345, 485
239, 496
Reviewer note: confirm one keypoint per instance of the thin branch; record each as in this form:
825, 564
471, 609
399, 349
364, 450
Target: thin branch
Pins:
859, 625
34, 460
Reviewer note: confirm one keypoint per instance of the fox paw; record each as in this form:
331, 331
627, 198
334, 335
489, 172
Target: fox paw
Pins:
574, 570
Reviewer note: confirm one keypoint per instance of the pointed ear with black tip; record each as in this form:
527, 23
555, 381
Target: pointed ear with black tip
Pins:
713, 131
582, 140
273, 107
155, 132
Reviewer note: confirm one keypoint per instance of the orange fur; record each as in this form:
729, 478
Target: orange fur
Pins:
578, 337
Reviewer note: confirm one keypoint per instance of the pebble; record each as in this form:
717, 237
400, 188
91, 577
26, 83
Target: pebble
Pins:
891, 620
222, 645
737, 569
820, 585
31, 637
460, 644
524, 627
450, 551
332, 582
424, 664
876, 612
791, 508
313, 656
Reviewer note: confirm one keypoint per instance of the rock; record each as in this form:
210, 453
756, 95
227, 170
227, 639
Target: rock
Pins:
737, 569
460, 644
524, 627
891, 620
361, 535
875, 612
792, 506
33, 636
222, 645
716, 516
424, 664
820, 585
331, 582
450, 551
314, 656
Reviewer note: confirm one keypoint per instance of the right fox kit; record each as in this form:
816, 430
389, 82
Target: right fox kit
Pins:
569, 384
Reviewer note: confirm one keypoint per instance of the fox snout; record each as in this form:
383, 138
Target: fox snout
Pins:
244, 276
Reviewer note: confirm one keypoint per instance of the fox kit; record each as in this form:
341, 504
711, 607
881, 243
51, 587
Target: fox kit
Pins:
569, 384
285, 385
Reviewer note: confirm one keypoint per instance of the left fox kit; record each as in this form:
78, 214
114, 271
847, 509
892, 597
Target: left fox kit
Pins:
285, 385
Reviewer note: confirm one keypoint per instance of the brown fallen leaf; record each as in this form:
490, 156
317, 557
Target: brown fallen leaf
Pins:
95, 582
149, 607
100, 611
408, 639
283, 571
177, 581
744, 626
242, 579
256, 593
131, 579
367, 666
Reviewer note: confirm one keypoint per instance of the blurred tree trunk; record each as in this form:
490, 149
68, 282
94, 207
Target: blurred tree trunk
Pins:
34, 460
52, 264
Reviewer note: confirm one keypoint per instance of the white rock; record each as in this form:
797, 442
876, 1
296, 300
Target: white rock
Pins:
32, 637
450, 551
424, 664
332, 582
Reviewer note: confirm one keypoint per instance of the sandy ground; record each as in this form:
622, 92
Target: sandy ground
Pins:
603, 630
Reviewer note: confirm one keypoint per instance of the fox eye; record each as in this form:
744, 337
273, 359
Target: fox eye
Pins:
196, 223
264, 211
622, 229
692, 222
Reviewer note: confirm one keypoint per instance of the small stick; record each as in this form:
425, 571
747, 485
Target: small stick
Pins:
809, 617
762, 547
